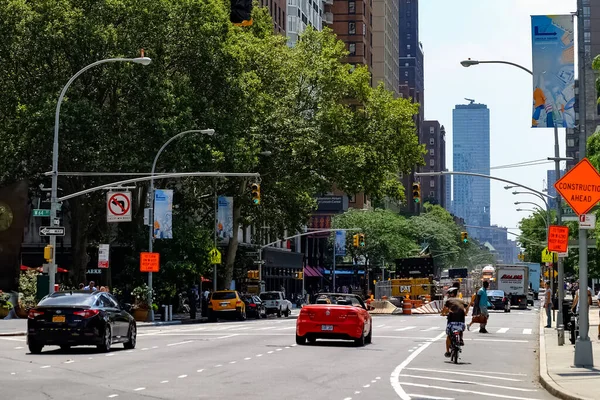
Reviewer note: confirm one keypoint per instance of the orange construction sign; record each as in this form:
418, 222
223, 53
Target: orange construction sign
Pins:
149, 262
558, 238
580, 187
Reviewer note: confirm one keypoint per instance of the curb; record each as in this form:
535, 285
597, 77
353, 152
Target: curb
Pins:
12, 334
545, 380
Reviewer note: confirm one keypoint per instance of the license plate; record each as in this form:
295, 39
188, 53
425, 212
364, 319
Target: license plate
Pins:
326, 327
58, 318
224, 304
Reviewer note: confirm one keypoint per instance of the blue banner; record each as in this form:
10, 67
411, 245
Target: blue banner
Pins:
163, 214
553, 71
340, 243
225, 218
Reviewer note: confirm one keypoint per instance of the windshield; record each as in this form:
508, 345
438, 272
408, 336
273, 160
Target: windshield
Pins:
270, 296
68, 300
338, 299
223, 296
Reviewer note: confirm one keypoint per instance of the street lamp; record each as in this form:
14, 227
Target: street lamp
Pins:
209, 132
467, 63
54, 192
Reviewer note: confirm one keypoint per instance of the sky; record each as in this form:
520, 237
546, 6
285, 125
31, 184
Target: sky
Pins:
455, 30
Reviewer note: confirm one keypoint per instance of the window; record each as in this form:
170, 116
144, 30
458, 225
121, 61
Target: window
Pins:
586, 11
406, 64
408, 36
351, 7
364, 29
431, 130
432, 182
431, 152
352, 198
352, 48
364, 9
405, 73
408, 46
586, 24
408, 13
431, 164
371, 19
408, 55
587, 37
431, 141
351, 28
432, 194
570, 142
408, 24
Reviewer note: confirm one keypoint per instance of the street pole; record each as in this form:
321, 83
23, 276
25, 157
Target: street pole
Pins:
151, 207
216, 223
54, 192
561, 269
583, 346
334, 240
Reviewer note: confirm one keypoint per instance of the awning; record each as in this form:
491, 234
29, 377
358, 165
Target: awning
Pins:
39, 269
312, 272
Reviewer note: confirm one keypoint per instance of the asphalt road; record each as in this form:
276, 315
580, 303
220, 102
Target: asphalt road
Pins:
260, 359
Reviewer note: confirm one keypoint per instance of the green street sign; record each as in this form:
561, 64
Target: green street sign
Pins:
37, 212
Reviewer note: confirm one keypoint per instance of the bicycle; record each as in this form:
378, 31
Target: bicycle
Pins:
455, 346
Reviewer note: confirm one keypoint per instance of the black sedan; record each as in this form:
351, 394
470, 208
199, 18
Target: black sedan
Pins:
255, 307
76, 318
499, 300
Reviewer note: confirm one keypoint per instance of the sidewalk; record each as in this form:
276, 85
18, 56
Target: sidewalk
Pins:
18, 327
557, 373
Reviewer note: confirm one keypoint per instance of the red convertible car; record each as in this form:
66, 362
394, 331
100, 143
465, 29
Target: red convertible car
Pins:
335, 316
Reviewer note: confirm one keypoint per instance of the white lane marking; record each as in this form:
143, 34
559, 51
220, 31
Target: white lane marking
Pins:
270, 352
110, 355
472, 373
90, 358
164, 381
467, 382
380, 326
259, 355
394, 377
227, 336
286, 328
526, 331
287, 347
218, 365
200, 370
46, 366
155, 347
405, 328
138, 389
366, 386
466, 391
113, 395
502, 330
232, 362
13, 373
129, 351
499, 340
294, 345
422, 396
378, 378
348, 398
373, 381
182, 376
279, 349
433, 328
145, 348
19, 347
178, 343
357, 392
69, 362
248, 358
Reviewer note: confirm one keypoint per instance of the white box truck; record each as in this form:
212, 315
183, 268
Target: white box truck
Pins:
514, 281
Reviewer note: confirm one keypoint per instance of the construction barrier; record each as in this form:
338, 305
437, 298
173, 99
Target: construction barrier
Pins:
407, 307
382, 307
434, 307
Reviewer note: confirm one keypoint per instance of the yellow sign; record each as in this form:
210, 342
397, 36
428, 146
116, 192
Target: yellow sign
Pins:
215, 256
549, 256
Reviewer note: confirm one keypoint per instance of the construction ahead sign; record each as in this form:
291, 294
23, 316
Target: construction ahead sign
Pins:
580, 187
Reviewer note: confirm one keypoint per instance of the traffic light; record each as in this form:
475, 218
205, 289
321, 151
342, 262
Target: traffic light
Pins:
416, 191
521, 256
253, 274
361, 240
48, 253
464, 237
241, 12
355, 240
300, 275
255, 194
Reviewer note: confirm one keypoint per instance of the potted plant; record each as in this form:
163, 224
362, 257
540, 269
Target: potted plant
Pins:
5, 305
141, 305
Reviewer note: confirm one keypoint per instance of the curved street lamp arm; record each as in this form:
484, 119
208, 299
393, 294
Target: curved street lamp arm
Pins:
508, 63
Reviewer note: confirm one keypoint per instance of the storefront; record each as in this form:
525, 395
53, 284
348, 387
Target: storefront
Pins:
281, 271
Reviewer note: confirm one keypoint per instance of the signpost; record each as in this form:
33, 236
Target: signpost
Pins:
558, 238
52, 231
37, 212
118, 207
149, 262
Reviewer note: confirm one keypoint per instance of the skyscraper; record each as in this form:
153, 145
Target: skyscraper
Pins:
433, 188
471, 149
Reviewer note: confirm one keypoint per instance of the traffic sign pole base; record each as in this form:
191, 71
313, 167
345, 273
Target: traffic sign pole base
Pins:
584, 357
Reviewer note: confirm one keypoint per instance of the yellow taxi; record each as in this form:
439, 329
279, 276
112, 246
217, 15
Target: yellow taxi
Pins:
226, 304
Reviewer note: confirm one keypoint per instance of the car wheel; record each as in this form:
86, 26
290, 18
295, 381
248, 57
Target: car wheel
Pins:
35, 348
131, 338
286, 313
300, 340
258, 314
279, 313
360, 342
65, 347
106, 340
369, 338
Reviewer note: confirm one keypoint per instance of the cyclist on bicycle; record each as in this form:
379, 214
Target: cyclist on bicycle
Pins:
456, 310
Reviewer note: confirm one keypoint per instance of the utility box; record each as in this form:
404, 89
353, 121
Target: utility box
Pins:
43, 289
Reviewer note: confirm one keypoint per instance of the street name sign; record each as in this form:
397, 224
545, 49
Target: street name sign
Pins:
38, 212
149, 262
580, 187
587, 221
558, 238
52, 231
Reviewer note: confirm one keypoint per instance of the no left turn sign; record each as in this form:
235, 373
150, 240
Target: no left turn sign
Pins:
118, 207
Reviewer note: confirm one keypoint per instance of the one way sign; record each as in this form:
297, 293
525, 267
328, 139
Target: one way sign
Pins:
52, 231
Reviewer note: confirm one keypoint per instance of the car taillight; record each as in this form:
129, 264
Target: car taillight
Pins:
276, 303
34, 313
238, 303
252, 305
504, 299
86, 313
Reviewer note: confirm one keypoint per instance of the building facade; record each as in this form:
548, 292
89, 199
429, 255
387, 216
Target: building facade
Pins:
277, 10
550, 180
302, 14
385, 44
352, 22
471, 153
433, 188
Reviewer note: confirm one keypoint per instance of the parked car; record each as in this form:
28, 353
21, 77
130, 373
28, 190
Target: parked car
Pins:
499, 300
226, 304
254, 307
335, 316
76, 318
275, 303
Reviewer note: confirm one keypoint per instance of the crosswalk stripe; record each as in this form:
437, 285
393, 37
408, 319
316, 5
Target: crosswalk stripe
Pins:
445, 388
502, 330
433, 328
527, 331
405, 328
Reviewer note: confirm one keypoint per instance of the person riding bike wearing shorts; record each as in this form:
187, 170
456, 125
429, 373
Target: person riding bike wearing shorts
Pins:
456, 310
